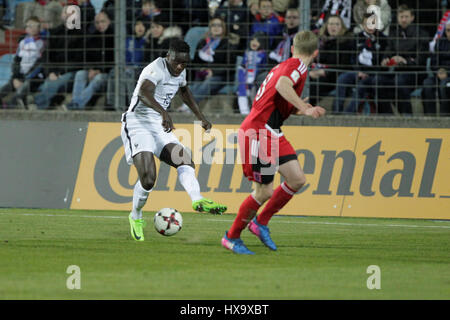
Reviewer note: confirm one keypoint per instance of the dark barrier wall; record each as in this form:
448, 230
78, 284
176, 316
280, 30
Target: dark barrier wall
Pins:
39, 162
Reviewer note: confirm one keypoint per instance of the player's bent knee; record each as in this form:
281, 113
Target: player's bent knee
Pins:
297, 183
148, 181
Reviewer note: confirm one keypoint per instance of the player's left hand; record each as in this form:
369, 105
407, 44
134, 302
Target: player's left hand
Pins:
206, 125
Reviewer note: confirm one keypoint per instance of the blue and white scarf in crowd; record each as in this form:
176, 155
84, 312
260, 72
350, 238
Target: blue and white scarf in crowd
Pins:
207, 52
441, 29
283, 51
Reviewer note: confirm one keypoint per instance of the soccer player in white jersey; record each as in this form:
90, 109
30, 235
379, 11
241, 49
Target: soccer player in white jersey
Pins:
147, 132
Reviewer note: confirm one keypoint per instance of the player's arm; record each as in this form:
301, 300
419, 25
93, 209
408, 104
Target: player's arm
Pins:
188, 98
285, 88
146, 95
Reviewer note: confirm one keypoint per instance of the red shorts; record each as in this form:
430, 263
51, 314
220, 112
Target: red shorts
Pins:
262, 152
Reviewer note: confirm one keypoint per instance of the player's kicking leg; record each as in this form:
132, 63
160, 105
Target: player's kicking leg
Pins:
294, 180
175, 156
146, 168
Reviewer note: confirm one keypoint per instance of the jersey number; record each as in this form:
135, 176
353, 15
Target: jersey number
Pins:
262, 88
167, 99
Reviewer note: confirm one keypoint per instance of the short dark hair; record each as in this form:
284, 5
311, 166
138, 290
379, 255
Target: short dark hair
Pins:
178, 45
403, 8
34, 18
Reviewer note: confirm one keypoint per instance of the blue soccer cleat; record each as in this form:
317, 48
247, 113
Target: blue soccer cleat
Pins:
236, 245
263, 233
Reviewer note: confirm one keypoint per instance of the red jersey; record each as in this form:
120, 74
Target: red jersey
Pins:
269, 107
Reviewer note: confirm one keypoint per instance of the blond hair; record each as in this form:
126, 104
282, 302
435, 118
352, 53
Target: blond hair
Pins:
305, 42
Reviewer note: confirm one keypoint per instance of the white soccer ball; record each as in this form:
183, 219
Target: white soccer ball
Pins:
168, 221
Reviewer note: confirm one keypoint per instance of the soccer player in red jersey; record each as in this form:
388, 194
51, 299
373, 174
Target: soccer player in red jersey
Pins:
264, 148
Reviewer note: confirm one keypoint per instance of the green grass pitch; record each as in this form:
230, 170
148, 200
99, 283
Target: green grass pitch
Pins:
318, 258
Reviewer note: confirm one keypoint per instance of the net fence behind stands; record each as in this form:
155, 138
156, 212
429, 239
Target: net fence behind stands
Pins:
396, 71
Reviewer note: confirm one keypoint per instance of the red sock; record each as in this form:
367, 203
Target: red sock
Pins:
280, 197
247, 211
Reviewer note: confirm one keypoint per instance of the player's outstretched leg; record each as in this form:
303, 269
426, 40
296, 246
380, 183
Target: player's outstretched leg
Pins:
176, 156
208, 205
189, 181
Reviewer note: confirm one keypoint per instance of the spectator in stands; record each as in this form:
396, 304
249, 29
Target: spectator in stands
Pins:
269, 22
237, 17
440, 81
153, 48
255, 57
427, 13
282, 50
135, 45
384, 18
440, 30
407, 52
48, 12
148, 11
62, 59
335, 52
87, 12
253, 7
99, 62
134, 59
370, 47
280, 6
342, 8
211, 61
26, 69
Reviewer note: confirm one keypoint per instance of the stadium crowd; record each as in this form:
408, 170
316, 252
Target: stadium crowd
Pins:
375, 55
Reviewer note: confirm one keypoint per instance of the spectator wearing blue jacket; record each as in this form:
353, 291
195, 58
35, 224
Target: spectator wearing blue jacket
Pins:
269, 22
134, 56
254, 58
26, 68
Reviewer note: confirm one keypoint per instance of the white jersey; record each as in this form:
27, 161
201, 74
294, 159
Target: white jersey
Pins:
166, 88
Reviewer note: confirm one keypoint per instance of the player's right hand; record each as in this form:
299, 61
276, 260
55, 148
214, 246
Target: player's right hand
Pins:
315, 112
167, 123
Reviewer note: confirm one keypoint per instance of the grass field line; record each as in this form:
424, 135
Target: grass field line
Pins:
354, 224
276, 220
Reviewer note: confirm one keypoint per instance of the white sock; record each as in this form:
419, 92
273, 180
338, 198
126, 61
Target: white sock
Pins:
189, 181
140, 196
243, 105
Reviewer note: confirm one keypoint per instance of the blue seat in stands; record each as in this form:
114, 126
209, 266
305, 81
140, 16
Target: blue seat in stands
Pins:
6, 61
193, 37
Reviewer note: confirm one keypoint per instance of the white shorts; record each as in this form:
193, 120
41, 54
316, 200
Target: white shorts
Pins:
144, 134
